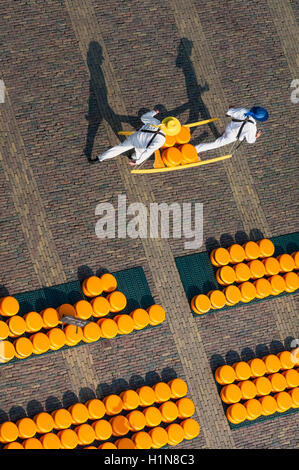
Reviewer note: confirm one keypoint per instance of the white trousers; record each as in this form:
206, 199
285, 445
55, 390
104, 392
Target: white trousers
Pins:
128, 144
224, 139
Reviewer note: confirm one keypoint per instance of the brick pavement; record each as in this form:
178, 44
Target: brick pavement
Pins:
107, 61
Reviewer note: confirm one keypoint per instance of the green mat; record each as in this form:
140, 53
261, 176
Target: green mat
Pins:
247, 422
262, 419
198, 275
131, 282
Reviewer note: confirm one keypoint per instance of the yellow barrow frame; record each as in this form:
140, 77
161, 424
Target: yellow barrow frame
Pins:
159, 165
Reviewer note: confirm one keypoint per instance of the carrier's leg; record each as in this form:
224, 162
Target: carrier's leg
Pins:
222, 140
115, 151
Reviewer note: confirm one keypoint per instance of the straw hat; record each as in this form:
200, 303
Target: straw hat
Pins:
171, 126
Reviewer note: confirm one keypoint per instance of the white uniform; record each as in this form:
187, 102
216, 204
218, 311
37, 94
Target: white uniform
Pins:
140, 141
230, 134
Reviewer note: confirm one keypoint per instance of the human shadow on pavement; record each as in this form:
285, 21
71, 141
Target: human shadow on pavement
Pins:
195, 104
99, 108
